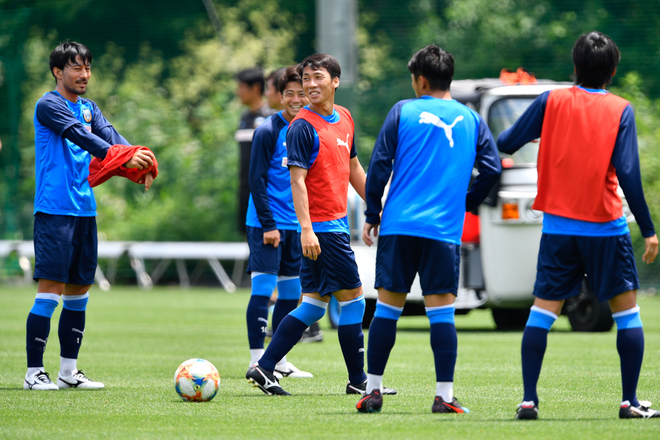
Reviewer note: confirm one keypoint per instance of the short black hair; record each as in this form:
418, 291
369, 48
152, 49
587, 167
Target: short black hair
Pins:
275, 76
290, 74
595, 57
252, 76
434, 64
321, 60
66, 53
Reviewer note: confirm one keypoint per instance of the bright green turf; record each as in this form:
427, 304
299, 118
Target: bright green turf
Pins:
135, 340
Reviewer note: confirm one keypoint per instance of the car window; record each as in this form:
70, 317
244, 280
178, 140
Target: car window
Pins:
502, 114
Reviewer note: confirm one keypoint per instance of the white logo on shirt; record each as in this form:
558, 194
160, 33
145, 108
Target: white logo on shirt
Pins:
430, 118
284, 162
344, 144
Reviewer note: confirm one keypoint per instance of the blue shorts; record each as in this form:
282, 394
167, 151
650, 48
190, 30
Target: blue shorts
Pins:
608, 263
335, 269
65, 248
282, 260
400, 257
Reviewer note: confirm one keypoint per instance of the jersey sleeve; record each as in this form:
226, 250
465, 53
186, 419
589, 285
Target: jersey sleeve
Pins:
263, 146
300, 143
380, 166
103, 129
488, 164
527, 128
625, 159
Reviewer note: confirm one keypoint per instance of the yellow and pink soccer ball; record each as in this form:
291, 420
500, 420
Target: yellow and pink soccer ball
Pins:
196, 380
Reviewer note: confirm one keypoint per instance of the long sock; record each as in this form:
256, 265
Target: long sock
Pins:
444, 342
288, 294
351, 338
38, 328
630, 345
257, 310
290, 331
383, 329
71, 330
534, 343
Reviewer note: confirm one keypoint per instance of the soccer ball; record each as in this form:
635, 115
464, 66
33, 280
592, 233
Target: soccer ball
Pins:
196, 380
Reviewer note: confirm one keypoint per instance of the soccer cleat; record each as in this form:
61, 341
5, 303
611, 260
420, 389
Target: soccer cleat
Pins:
643, 411
265, 381
362, 389
290, 370
527, 411
371, 402
453, 407
40, 382
313, 333
78, 380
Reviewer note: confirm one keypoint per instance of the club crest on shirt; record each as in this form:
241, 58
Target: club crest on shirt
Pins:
344, 144
87, 115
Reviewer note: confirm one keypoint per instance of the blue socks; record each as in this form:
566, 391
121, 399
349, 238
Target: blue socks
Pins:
351, 338
630, 345
534, 342
38, 327
290, 331
257, 309
383, 336
444, 342
72, 324
288, 294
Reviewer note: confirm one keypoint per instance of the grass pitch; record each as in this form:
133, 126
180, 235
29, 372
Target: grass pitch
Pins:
136, 339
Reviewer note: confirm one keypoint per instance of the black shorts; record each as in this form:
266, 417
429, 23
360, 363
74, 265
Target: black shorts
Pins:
282, 260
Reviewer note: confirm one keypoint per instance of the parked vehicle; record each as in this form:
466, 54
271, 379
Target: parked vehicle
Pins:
500, 245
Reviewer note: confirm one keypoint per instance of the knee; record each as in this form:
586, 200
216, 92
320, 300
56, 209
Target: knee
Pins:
352, 312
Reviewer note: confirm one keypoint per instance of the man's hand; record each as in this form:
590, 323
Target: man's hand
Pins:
366, 233
310, 244
651, 250
272, 237
148, 180
141, 159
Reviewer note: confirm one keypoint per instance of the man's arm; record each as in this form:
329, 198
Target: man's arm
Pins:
488, 164
310, 243
527, 128
263, 145
103, 129
357, 178
625, 159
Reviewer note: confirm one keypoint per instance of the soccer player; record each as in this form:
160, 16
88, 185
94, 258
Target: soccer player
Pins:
272, 92
322, 161
250, 91
69, 130
272, 226
588, 141
429, 146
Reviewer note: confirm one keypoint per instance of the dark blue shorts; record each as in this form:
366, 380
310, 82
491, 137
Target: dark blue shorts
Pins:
335, 269
608, 263
282, 260
400, 257
65, 248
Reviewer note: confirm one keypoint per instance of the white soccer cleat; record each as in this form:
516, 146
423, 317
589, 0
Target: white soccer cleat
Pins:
40, 381
78, 380
290, 370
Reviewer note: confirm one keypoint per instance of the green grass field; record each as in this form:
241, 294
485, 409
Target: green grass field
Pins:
136, 339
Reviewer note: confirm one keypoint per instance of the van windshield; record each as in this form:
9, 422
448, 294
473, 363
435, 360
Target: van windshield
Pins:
502, 114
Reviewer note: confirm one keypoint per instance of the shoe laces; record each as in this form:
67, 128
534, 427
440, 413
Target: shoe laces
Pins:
42, 376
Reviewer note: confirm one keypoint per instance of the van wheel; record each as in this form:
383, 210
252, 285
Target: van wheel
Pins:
586, 313
510, 319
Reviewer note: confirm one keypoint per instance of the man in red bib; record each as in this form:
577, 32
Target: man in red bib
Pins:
588, 148
322, 161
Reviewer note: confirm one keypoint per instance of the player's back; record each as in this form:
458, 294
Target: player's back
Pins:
435, 153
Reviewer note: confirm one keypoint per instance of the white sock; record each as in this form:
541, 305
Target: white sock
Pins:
255, 355
32, 371
374, 382
445, 390
282, 362
67, 366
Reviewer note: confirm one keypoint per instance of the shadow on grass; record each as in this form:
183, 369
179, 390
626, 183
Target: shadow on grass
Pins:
472, 330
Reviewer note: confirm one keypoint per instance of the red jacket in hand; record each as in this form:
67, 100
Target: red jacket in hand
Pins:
113, 165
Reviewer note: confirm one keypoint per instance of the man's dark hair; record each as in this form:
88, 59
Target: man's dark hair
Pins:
321, 60
595, 57
66, 53
252, 76
434, 64
275, 76
290, 74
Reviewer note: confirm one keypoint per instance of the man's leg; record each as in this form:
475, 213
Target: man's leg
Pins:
256, 315
349, 331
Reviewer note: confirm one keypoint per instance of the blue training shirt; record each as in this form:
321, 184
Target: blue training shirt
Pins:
429, 146
271, 203
625, 159
66, 133
302, 142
